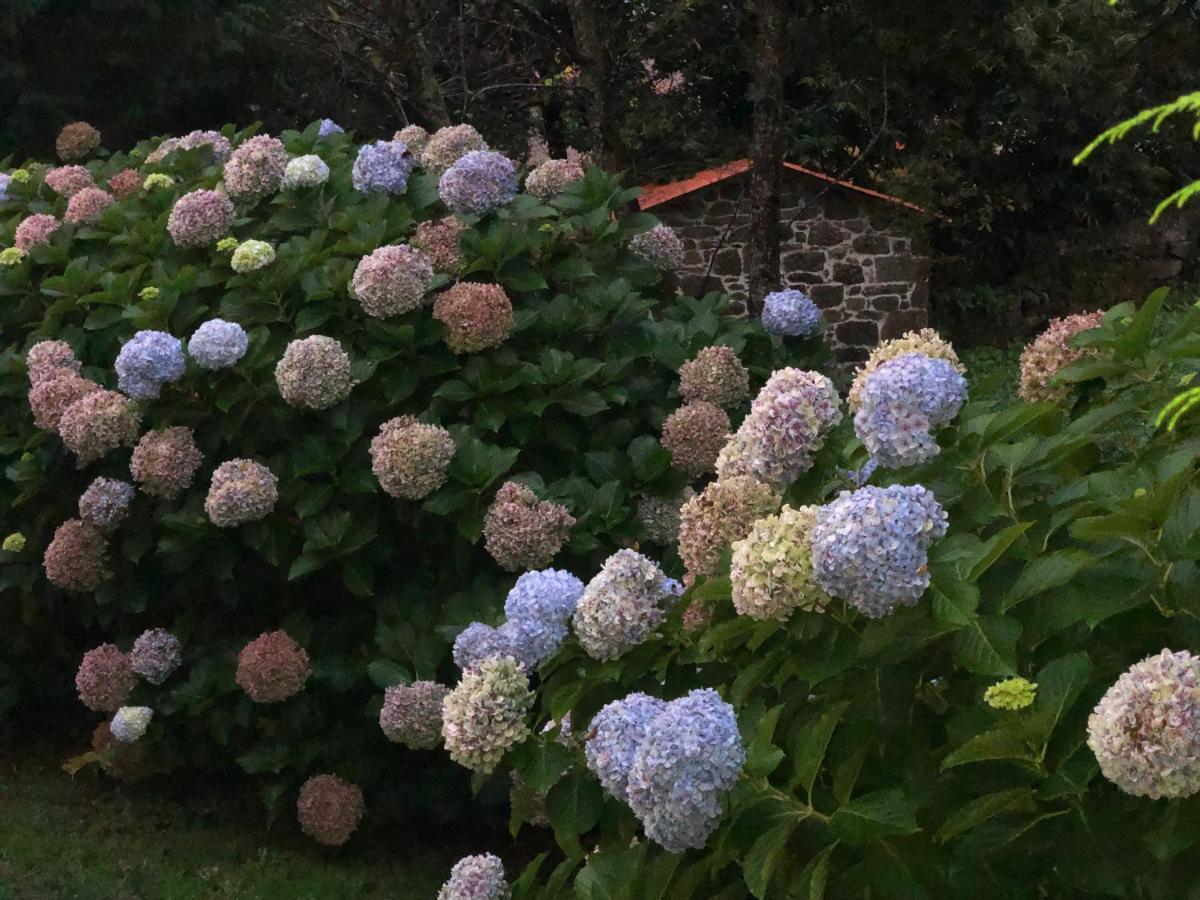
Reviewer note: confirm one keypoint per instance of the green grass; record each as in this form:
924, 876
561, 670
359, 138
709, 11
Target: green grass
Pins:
90, 837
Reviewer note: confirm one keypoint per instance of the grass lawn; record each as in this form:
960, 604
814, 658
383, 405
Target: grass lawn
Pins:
90, 837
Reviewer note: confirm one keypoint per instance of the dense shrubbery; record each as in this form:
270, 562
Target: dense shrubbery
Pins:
315, 454
917, 650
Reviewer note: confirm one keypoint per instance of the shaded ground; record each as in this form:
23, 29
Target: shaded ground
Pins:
89, 837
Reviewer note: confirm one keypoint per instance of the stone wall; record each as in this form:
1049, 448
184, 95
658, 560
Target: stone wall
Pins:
860, 258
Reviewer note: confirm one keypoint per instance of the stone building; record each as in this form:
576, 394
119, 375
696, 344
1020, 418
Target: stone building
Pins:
858, 253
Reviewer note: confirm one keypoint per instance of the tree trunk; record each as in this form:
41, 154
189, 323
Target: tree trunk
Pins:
766, 152
594, 75
417, 63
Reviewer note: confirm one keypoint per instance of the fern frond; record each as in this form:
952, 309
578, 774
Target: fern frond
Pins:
1177, 408
1156, 115
1180, 197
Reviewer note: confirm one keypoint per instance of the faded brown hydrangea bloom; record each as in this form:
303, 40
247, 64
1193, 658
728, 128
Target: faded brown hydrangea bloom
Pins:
272, 668
522, 532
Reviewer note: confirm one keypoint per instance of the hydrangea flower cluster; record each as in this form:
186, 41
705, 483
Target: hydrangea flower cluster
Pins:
52, 395
77, 140
165, 461
621, 605
716, 375
410, 458
721, 514
1145, 731
105, 678
439, 240
67, 181
549, 179
772, 568
35, 231
616, 732
870, 546
382, 168
1011, 694
660, 246
199, 218
1049, 353
129, 723
87, 205
314, 373
479, 182
156, 654
328, 127
218, 344
125, 183
479, 641
902, 402
157, 180
694, 435
98, 422
788, 422
926, 342
227, 244
305, 172
12, 256
414, 137
448, 145
521, 532
329, 809
147, 362
484, 716
14, 543
660, 516
673, 763
74, 558
5, 181
476, 316
148, 293
412, 714
479, 877
790, 313
46, 359
256, 168
241, 491
272, 668
392, 280
105, 503
217, 142
251, 255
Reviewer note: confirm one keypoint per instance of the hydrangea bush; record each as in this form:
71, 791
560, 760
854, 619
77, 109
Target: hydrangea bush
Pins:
280, 423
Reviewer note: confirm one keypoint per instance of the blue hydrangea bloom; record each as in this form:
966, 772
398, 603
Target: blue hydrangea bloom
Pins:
615, 734
691, 756
147, 362
902, 402
382, 167
870, 546
4, 179
673, 588
478, 642
218, 344
529, 641
790, 313
479, 182
328, 127
550, 594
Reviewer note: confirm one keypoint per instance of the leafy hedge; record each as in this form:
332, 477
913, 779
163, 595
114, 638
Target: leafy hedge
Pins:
375, 588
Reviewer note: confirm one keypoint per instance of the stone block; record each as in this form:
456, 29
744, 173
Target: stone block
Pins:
728, 262
847, 273
826, 234
886, 303
827, 296
891, 287
899, 322
895, 268
856, 332
809, 260
871, 244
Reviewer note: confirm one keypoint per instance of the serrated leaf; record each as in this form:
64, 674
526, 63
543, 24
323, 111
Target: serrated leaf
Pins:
875, 815
983, 808
763, 857
1046, 572
988, 645
809, 744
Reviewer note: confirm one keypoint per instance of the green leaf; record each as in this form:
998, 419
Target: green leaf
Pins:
573, 807
1046, 572
1008, 743
993, 548
763, 858
541, 763
875, 815
1060, 683
815, 875
1134, 339
385, 673
808, 746
988, 645
983, 808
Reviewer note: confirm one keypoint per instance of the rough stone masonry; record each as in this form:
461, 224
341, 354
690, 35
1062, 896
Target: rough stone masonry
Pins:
861, 257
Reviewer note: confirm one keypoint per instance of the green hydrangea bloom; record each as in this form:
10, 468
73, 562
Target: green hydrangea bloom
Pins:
1012, 693
20, 176
157, 179
149, 293
11, 256
227, 245
251, 255
772, 569
14, 543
